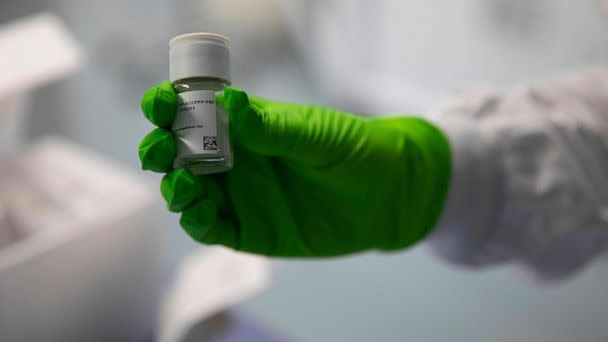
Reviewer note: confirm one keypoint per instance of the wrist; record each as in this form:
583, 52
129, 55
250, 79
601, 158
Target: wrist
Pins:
424, 151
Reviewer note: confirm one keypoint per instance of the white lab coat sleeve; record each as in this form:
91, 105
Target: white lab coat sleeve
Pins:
529, 177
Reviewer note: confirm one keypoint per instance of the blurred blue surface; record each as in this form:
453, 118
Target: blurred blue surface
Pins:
410, 296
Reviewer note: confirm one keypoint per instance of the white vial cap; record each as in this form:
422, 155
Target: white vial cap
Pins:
199, 55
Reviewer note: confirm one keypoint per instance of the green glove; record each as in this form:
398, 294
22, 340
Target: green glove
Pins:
307, 181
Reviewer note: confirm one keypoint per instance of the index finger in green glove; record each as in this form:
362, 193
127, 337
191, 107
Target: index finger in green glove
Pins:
159, 104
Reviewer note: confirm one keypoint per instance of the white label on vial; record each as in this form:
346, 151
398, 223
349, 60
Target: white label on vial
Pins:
195, 125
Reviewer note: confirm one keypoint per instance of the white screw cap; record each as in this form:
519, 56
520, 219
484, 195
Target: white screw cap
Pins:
199, 55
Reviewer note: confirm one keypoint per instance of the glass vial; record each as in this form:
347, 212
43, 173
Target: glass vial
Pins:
199, 64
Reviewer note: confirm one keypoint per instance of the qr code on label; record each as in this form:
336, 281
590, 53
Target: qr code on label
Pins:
210, 143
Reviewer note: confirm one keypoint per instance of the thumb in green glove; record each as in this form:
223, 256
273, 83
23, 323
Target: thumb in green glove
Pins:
307, 180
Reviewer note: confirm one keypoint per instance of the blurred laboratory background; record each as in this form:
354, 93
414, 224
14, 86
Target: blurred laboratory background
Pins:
83, 232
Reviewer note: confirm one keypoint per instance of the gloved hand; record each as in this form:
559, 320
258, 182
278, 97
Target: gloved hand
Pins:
307, 181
